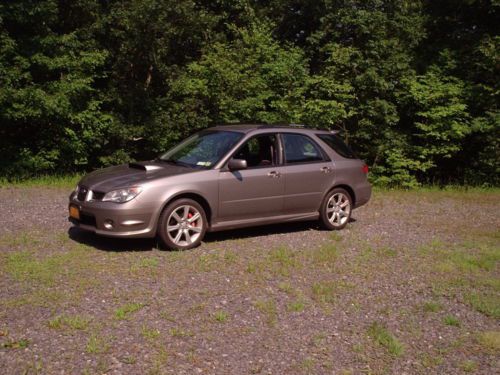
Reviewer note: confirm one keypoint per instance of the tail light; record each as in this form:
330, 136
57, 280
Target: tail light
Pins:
364, 168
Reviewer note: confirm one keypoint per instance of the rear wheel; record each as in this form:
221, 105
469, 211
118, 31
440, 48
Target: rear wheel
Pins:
182, 224
336, 209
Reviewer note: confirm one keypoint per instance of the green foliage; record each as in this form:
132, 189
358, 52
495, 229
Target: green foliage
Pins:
413, 85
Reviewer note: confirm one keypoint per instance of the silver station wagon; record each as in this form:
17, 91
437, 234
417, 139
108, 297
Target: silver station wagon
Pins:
222, 178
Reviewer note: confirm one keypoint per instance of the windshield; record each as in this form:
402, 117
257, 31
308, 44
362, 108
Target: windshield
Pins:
202, 150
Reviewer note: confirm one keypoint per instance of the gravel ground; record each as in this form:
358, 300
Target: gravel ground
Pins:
411, 286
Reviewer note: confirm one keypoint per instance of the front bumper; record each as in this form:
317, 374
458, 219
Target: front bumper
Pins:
127, 219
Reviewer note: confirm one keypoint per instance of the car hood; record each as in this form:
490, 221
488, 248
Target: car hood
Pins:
127, 175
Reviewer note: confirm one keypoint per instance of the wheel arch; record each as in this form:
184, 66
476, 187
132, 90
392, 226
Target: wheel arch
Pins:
202, 201
348, 189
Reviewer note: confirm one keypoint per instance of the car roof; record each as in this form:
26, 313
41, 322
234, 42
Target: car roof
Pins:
246, 128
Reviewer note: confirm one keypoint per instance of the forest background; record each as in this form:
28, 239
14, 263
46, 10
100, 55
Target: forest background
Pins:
413, 85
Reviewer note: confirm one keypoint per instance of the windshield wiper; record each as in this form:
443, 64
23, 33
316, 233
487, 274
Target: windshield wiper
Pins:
167, 161
175, 162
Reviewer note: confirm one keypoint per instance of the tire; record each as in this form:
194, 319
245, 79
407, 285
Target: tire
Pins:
336, 209
177, 229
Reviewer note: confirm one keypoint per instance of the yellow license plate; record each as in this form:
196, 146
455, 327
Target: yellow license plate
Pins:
74, 212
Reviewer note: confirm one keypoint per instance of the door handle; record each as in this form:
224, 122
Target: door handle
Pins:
326, 169
274, 174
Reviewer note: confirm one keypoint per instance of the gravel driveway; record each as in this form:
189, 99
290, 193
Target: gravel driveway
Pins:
410, 286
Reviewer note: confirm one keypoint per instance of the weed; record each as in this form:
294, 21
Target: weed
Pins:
148, 263
286, 287
150, 334
73, 322
430, 361
179, 332
468, 366
383, 337
318, 339
450, 320
281, 260
97, 344
128, 360
268, 307
431, 306
490, 340
19, 344
220, 316
296, 306
230, 257
125, 311
325, 255
486, 303
324, 291
307, 365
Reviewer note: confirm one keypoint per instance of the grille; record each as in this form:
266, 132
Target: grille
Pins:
82, 193
87, 219
97, 195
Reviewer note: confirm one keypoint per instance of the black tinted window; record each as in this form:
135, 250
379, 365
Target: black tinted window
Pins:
337, 145
300, 149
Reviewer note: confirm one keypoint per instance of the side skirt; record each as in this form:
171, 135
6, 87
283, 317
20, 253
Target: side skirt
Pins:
233, 224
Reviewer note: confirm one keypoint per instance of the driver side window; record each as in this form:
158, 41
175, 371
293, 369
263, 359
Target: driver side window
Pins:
259, 151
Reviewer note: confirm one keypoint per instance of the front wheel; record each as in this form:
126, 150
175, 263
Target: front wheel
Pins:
182, 224
336, 209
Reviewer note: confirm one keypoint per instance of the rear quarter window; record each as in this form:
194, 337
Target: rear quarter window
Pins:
337, 144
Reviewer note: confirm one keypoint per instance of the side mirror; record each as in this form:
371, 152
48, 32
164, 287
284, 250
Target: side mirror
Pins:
237, 164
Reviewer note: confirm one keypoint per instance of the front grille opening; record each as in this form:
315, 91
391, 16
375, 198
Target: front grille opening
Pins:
82, 193
87, 219
97, 195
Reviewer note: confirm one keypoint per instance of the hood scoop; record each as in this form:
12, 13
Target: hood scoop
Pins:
144, 167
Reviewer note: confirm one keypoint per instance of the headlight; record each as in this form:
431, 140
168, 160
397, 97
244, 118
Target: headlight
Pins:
122, 195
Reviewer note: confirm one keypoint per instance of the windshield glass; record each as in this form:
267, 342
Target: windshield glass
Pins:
202, 150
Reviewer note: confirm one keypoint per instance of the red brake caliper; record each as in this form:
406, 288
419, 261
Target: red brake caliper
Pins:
190, 215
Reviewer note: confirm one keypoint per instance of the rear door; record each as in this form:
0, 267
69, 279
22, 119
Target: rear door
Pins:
308, 173
257, 191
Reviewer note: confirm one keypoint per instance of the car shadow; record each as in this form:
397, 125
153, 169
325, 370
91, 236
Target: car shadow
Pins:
110, 243
149, 244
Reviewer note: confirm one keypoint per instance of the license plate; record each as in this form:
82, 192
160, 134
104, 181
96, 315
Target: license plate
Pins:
74, 212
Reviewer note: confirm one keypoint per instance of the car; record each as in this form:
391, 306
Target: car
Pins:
225, 177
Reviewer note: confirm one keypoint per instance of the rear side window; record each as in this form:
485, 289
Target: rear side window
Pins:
337, 144
300, 149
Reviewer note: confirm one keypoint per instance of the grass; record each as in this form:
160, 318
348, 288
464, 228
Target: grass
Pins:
450, 320
431, 306
16, 344
490, 340
468, 366
97, 344
128, 309
75, 322
325, 291
296, 306
150, 334
326, 255
468, 269
62, 181
269, 309
180, 332
221, 316
382, 336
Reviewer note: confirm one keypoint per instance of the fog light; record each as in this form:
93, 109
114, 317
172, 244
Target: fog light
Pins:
108, 224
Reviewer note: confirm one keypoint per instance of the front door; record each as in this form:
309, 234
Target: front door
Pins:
257, 191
